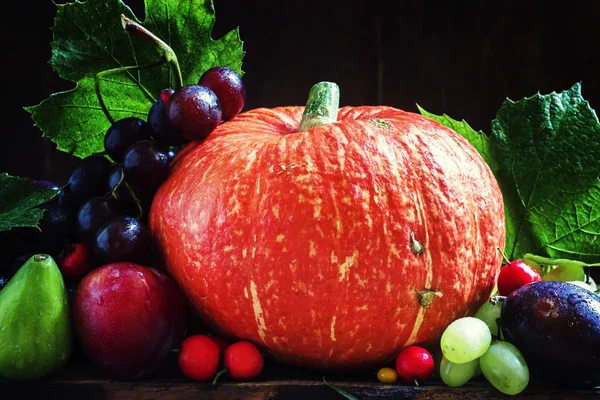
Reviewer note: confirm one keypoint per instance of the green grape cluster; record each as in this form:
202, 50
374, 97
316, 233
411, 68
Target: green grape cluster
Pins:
472, 346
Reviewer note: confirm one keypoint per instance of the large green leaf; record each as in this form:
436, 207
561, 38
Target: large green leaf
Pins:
89, 39
545, 153
19, 202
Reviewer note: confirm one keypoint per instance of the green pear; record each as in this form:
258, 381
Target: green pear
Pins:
35, 321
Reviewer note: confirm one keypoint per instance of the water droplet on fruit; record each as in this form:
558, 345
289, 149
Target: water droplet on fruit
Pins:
100, 301
575, 299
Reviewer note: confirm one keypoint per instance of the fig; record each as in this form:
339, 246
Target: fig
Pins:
35, 321
556, 326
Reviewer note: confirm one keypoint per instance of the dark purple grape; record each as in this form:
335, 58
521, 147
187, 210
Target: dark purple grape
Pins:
146, 165
3, 281
118, 187
193, 111
172, 152
122, 134
93, 214
124, 238
87, 180
228, 87
57, 229
159, 124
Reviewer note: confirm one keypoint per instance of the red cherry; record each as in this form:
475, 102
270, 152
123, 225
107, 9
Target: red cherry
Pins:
514, 275
199, 357
414, 364
243, 360
75, 261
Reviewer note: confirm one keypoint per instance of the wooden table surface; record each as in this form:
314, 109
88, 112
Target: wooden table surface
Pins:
277, 382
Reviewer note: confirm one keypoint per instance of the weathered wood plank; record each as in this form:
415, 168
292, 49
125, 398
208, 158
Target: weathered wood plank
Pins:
171, 388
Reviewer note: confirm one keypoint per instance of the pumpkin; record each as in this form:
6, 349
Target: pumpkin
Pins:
336, 245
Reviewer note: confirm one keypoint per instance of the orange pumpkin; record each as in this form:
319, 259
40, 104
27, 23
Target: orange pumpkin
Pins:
335, 246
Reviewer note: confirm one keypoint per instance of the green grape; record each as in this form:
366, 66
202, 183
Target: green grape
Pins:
490, 313
465, 339
505, 368
565, 273
455, 375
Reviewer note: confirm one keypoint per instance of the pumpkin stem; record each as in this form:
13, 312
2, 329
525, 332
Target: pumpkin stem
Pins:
322, 106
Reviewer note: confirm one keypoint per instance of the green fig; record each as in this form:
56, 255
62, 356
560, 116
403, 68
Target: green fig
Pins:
35, 322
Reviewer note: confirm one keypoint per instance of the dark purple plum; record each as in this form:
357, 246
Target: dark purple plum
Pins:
556, 326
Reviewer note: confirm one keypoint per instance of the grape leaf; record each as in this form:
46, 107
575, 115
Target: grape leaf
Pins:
478, 139
19, 201
546, 153
88, 38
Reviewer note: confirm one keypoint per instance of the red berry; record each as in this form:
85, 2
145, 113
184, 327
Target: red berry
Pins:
199, 357
414, 364
243, 360
514, 275
75, 261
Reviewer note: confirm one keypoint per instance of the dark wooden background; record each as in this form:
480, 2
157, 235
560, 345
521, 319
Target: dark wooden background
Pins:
463, 58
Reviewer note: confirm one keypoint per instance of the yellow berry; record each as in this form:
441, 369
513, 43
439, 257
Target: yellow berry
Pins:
387, 375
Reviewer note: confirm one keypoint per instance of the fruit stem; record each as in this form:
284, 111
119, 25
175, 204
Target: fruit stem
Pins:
137, 201
160, 45
221, 372
561, 262
503, 255
322, 106
115, 70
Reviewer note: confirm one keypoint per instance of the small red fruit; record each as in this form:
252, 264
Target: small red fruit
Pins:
198, 358
414, 364
75, 261
243, 360
514, 275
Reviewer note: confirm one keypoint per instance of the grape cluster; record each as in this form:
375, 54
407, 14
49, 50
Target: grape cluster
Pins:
470, 348
100, 215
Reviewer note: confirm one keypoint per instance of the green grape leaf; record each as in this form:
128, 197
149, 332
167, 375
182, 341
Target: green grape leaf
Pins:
478, 139
19, 202
89, 39
545, 153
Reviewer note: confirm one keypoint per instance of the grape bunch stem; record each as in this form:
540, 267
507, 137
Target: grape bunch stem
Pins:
168, 55
163, 48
